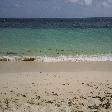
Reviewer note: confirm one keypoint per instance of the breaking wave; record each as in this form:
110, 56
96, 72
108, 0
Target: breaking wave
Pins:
61, 58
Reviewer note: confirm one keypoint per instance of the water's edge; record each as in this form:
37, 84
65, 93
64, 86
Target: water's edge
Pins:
61, 58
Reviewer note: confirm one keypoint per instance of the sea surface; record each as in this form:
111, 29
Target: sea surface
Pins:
88, 37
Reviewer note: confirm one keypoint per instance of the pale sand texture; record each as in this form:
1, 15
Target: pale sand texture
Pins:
33, 87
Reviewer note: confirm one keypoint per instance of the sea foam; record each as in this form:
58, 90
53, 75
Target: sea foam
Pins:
61, 58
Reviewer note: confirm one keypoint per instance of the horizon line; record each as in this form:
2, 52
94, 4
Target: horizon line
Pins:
50, 18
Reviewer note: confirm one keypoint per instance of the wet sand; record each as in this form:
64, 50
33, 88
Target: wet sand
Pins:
17, 67
56, 87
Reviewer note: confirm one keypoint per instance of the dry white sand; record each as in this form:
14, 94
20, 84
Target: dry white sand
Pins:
32, 87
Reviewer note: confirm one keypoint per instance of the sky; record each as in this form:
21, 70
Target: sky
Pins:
55, 8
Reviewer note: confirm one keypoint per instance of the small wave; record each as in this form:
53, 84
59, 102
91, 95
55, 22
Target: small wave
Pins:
77, 58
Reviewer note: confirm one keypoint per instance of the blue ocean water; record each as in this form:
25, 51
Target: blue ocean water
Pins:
55, 37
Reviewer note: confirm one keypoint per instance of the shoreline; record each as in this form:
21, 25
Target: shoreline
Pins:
61, 58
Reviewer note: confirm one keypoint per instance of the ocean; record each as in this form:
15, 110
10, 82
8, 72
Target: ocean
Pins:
61, 39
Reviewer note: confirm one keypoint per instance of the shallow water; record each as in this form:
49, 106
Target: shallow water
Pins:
55, 42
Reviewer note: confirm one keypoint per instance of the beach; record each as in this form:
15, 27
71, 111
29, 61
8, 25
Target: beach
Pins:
56, 86
56, 64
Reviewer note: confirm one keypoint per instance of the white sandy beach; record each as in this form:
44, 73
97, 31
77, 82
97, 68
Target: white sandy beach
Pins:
55, 87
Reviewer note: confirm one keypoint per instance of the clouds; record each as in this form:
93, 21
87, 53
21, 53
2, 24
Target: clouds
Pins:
81, 2
104, 3
55, 8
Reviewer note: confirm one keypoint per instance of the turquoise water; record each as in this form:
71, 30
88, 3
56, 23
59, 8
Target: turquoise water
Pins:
55, 41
